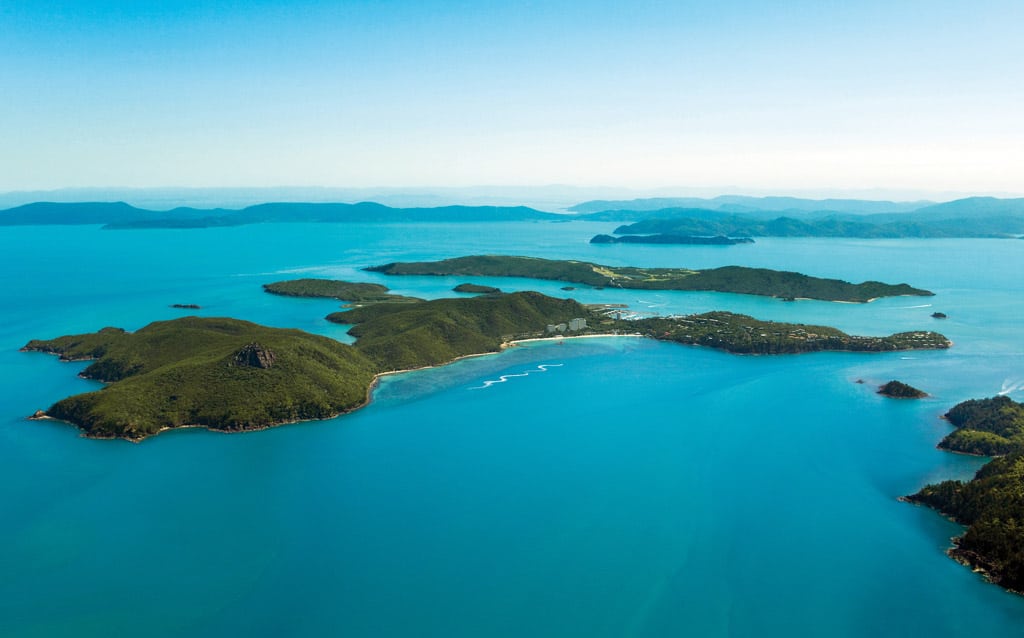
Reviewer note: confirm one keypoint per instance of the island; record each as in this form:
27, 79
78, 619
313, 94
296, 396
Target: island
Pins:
335, 289
736, 279
938, 315
899, 390
222, 374
476, 288
991, 504
666, 238
185, 306
231, 375
741, 334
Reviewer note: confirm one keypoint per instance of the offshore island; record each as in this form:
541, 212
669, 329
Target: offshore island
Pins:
737, 279
232, 375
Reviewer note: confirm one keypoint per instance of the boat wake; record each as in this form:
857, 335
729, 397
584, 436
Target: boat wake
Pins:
505, 377
1009, 386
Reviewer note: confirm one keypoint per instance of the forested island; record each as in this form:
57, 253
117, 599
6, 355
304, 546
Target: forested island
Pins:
899, 390
742, 334
232, 375
991, 504
222, 374
334, 289
476, 289
718, 240
736, 279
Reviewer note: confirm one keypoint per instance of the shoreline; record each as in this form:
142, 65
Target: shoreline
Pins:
375, 381
515, 342
369, 393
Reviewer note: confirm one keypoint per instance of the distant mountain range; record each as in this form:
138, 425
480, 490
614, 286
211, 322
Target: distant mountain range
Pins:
118, 215
971, 217
774, 206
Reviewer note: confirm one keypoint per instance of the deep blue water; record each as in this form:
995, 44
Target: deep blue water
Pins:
627, 488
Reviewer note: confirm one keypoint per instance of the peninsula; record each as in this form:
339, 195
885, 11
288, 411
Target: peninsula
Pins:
232, 375
736, 279
991, 504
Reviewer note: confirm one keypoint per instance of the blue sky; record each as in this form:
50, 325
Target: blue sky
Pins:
776, 96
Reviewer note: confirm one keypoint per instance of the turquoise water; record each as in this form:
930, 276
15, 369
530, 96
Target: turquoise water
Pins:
615, 487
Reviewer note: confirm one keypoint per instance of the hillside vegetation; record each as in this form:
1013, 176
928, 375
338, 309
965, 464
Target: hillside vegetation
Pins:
991, 504
198, 371
401, 337
989, 427
227, 374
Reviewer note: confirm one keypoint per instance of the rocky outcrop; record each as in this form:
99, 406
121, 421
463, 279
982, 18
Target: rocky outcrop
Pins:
254, 355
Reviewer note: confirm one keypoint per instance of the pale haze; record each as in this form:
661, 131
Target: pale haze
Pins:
920, 97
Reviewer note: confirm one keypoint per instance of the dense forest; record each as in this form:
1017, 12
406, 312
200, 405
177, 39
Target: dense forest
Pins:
991, 504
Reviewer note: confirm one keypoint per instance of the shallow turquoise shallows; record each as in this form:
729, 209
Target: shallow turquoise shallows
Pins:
602, 488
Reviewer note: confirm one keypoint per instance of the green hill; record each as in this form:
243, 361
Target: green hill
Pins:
991, 504
207, 372
227, 374
737, 279
989, 427
402, 337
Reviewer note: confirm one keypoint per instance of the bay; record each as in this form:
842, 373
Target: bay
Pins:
606, 487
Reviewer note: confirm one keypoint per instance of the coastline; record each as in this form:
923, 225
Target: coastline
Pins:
370, 388
369, 393
515, 342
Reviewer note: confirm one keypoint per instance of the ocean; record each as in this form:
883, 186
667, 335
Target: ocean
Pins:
598, 487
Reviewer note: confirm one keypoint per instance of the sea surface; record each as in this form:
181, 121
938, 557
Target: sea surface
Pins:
599, 487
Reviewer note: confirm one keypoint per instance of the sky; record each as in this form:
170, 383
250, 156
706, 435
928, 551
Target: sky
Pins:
777, 97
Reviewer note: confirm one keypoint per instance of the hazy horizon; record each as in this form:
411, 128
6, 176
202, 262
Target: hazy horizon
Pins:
802, 98
553, 197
